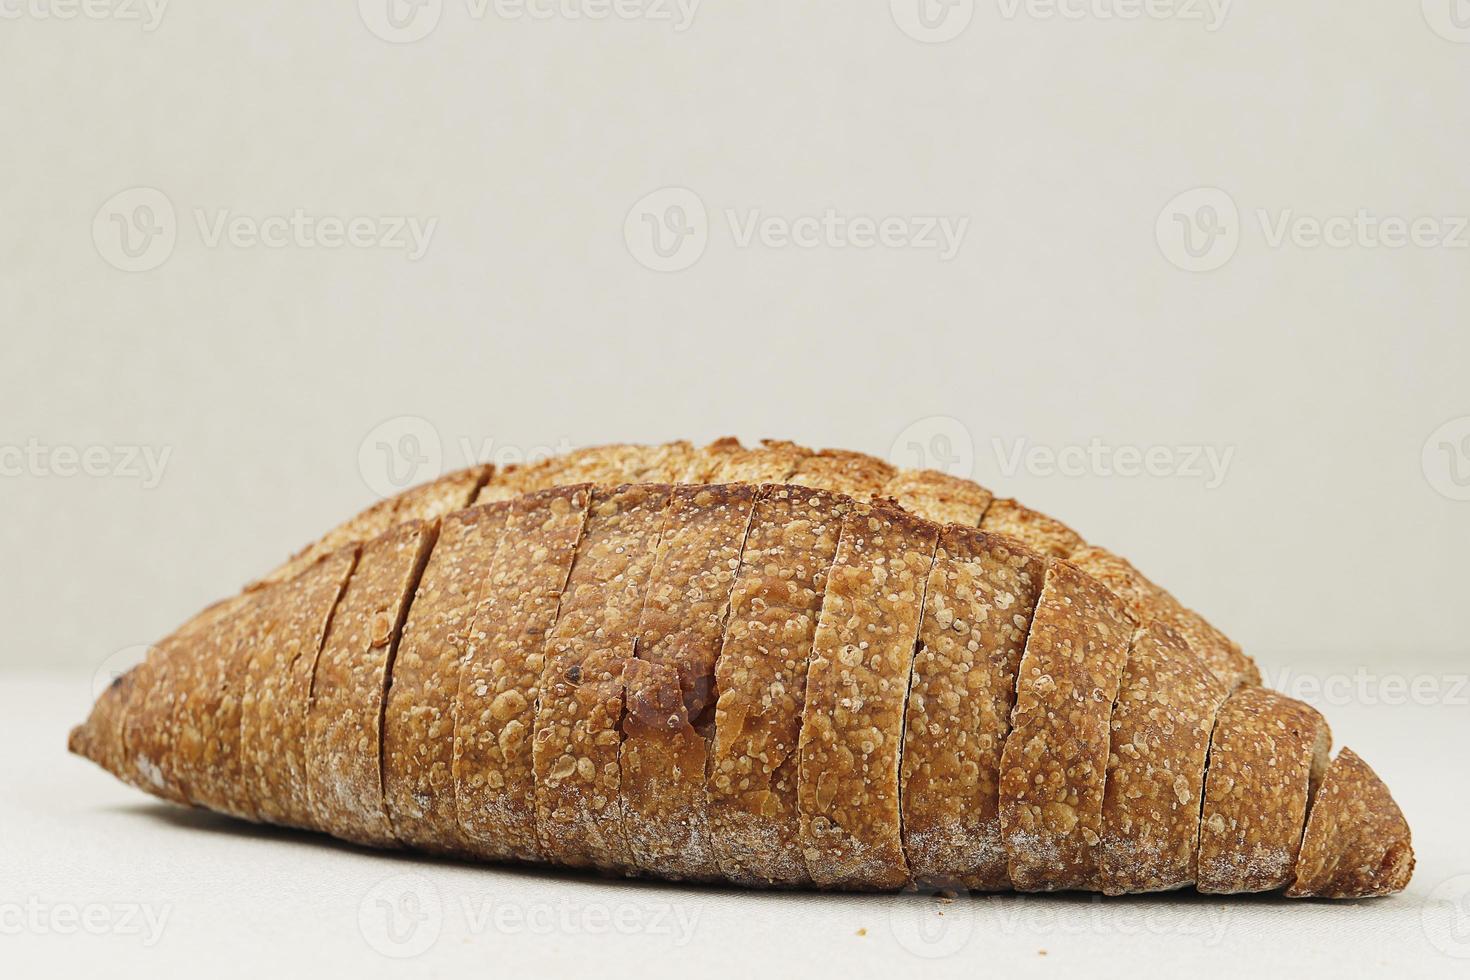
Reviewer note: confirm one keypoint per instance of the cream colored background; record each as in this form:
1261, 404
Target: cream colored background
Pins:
529, 321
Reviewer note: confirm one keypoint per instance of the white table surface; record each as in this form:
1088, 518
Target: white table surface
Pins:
98, 880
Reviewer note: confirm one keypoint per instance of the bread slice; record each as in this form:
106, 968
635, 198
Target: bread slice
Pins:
419, 713
1357, 843
856, 690
1267, 756
761, 676
938, 496
1161, 727
979, 602
290, 627
1055, 760
579, 717
854, 474
344, 775
670, 687
1035, 530
499, 680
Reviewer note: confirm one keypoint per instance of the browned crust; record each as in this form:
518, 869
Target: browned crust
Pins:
1357, 843
706, 462
671, 685
610, 465
1156, 767
773, 461
1038, 532
1149, 602
760, 677
857, 475
579, 718
938, 496
290, 627
425, 502
345, 712
419, 715
99, 738
977, 614
1055, 760
494, 779
205, 750
857, 685
1265, 749
149, 729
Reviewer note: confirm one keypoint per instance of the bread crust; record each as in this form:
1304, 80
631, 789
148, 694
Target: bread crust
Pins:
1040, 533
857, 687
290, 626
980, 598
345, 713
494, 777
670, 686
1055, 760
761, 676
1161, 728
859, 476
1148, 602
1265, 750
941, 498
579, 717
1357, 843
419, 714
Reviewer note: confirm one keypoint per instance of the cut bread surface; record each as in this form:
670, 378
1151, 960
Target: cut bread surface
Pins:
782, 679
